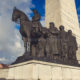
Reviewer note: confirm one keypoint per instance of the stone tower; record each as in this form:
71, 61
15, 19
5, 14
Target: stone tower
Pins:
63, 12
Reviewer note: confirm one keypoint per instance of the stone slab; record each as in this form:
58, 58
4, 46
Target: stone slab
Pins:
34, 70
3, 73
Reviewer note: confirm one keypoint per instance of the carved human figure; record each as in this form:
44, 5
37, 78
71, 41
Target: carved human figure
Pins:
34, 48
41, 47
43, 43
63, 46
38, 46
36, 21
72, 46
52, 45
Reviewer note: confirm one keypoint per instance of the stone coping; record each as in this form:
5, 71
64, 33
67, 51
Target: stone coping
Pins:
43, 63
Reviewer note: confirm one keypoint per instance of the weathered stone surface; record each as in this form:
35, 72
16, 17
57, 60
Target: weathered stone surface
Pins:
63, 12
3, 74
34, 70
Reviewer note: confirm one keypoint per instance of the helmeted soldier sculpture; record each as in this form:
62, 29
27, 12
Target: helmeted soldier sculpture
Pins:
72, 47
52, 50
45, 44
36, 21
63, 43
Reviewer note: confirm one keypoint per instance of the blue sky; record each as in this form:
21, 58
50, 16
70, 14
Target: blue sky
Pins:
40, 6
11, 44
77, 2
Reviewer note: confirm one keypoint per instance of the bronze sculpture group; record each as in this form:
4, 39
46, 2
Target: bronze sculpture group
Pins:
46, 44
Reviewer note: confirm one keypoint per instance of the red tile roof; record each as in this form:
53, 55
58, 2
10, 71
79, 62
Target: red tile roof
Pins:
2, 66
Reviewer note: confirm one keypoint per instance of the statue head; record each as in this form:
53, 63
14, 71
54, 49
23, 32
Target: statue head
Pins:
51, 25
61, 28
70, 32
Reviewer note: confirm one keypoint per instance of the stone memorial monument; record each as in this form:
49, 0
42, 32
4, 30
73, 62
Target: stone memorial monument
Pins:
45, 44
50, 53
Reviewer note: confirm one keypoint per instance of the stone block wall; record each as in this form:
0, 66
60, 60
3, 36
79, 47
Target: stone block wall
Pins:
39, 70
3, 73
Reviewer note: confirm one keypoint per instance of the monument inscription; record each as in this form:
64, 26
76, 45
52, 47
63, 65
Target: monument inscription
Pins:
44, 44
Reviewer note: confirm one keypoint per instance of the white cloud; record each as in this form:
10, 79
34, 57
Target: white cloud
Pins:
43, 21
11, 45
2, 59
7, 5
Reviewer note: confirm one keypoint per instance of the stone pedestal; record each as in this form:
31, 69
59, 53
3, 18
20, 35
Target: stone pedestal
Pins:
3, 74
39, 70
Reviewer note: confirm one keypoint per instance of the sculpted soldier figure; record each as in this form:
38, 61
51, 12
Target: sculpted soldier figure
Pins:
36, 16
36, 21
52, 45
41, 47
34, 45
72, 46
38, 48
63, 46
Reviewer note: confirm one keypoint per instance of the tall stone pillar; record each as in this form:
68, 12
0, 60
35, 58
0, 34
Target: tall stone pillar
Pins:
63, 12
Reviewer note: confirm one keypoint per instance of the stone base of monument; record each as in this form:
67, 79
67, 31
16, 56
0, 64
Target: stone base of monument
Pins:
39, 70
